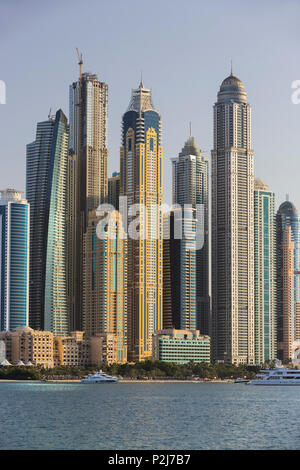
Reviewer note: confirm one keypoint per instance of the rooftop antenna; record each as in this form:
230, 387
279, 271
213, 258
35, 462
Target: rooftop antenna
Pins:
231, 68
141, 84
80, 62
190, 129
49, 115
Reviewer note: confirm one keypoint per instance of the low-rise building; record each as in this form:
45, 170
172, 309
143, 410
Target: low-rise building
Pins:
28, 345
2, 351
108, 348
181, 346
42, 348
73, 350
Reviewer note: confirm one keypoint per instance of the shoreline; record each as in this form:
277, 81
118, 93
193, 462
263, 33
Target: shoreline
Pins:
121, 381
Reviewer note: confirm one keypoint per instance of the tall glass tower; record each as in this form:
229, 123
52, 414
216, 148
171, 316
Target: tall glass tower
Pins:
14, 260
232, 226
46, 189
87, 175
287, 215
265, 273
141, 182
190, 187
179, 270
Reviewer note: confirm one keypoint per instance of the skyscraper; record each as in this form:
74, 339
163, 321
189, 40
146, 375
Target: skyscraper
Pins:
190, 187
179, 270
14, 257
265, 273
232, 226
287, 215
87, 175
46, 190
114, 190
141, 182
105, 282
286, 319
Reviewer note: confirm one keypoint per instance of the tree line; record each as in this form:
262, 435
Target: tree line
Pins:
140, 370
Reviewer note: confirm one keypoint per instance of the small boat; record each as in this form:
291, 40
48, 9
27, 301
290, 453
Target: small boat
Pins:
99, 378
241, 381
277, 376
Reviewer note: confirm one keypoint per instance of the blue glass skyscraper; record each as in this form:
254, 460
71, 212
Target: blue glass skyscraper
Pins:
14, 260
46, 189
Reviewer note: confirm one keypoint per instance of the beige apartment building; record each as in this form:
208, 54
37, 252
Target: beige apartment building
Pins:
29, 346
42, 348
288, 248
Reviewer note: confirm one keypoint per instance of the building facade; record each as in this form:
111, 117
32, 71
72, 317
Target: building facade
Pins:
73, 350
232, 226
180, 270
181, 346
14, 260
2, 351
108, 348
114, 190
105, 281
141, 182
190, 187
287, 215
287, 319
41, 348
87, 187
46, 189
264, 273
30, 346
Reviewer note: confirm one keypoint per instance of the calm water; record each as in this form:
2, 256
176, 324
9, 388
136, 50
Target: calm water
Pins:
148, 416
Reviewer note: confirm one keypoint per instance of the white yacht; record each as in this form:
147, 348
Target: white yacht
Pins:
277, 376
99, 378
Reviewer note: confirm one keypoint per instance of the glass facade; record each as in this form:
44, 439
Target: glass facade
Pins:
14, 256
56, 309
46, 189
264, 273
190, 187
181, 346
179, 264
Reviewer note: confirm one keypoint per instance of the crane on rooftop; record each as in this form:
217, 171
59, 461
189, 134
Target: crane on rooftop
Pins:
80, 62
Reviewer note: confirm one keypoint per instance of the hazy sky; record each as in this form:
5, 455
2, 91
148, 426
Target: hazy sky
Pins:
184, 49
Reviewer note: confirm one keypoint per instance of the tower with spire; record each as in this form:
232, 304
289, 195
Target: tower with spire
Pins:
232, 226
141, 183
190, 301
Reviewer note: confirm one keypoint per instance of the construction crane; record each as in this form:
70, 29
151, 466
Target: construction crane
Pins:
80, 62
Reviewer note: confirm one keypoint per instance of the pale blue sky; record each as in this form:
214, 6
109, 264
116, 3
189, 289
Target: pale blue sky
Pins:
184, 49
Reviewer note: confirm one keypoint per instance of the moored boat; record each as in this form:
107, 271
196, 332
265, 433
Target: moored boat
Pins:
277, 376
99, 378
